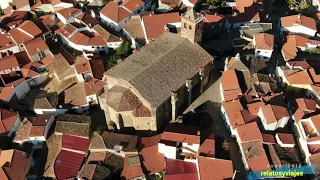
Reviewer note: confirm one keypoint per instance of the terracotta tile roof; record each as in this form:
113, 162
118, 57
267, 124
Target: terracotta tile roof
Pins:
314, 75
233, 112
132, 167
210, 18
129, 142
249, 132
134, 28
301, 107
37, 131
8, 119
255, 107
78, 125
316, 121
145, 142
220, 168
23, 131
207, 148
255, 155
75, 96
97, 156
29, 27
15, 18
115, 12
273, 113
296, 20
8, 62
170, 62
154, 24
6, 92
132, 5
94, 171
189, 176
6, 42
107, 36
75, 142
230, 85
289, 49
96, 85
67, 164
13, 164
35, 45
296, 64
96, 142
176, 166
67, 12
152, 160
54, 143
301, 77
268, 138
250, 14
314, 148
286, 138
97, 68
181, 133
87, 19
264, 41
30, 70
18, 36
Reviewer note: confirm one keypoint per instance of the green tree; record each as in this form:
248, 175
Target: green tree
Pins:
122, 52
315, 51
100, 129
34, 17
291, 3
217, 3
1, 12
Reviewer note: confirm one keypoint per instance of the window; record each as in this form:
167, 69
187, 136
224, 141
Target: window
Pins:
265, 58
258, 51
190, 27
185, 25
190, 144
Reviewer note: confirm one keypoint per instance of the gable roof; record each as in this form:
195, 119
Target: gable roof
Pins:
128, 142
220, 168
13, 164
230, 85
249, 132
264, 41
292, 42
152, 160
156, 69
115, 12
8, 118
155, 24
273, 113
181, 133
233, 112
35, 45
255, 155
132, 167
295, 20
135, 29
30, 27
71, 124
132, 5
8, 62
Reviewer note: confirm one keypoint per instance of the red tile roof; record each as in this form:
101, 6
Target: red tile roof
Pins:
67, 12
152, 160
175, 166
115, 12
18, 36
255, 155
249, 132
8, 62
8, 119
295, 20
230, 85
233, 112
6, 92
250, 14
316, 121
255, 107
155, 23
67, 164
30, 70
207, 148
264, 41
131, 171
145, 142
286, 138
210, 18
132, 5
302, 64
211, 168
14, 164
273, 113
301, 77
34, 45
30, 28
191, 176
6, 42
181, 133
75, 142
37, 131
268, 138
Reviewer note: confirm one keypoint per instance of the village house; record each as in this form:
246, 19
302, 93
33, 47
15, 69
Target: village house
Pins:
231, 113
10, 122
34, 73
295, 43
180, 142
34, 130
43, 7
263, 44
151, 109
298, 24
253, 155
273, 117
229, 86
172, 5
15, 87
116, 16
134, 31
132, 167
213, 25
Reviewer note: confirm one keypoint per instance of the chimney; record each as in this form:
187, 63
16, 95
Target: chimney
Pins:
198, 133
215, 14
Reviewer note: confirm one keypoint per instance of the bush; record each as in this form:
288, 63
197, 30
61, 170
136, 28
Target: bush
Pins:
315, 50
122, 52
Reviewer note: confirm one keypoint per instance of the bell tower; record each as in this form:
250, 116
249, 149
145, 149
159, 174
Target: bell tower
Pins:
191, 26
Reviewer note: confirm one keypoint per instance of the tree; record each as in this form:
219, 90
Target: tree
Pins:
217, 3
122, 52
34, 17
315, 51
1, 12
291, 3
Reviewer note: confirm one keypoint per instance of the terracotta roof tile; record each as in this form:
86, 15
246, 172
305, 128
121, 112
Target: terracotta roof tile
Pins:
67, 12
233, 112
220, 168
210, 18
132, 5
96, 142
16, 166
264, 41
273, 113
230, 85
207, 148
301, 77
134, 28
37, 131
6, 92
176, 166
268, 138
30, 28
34, 45
129, 142
249, 132
8, 118
145, 142
180, 133
286, 138
23, 131
255, 155
114, 12
255, 107
132, 167
154, 24
18, 36
298, 19
152, 160
8, 62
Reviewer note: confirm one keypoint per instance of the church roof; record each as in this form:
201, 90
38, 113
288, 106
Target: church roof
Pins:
158, 69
